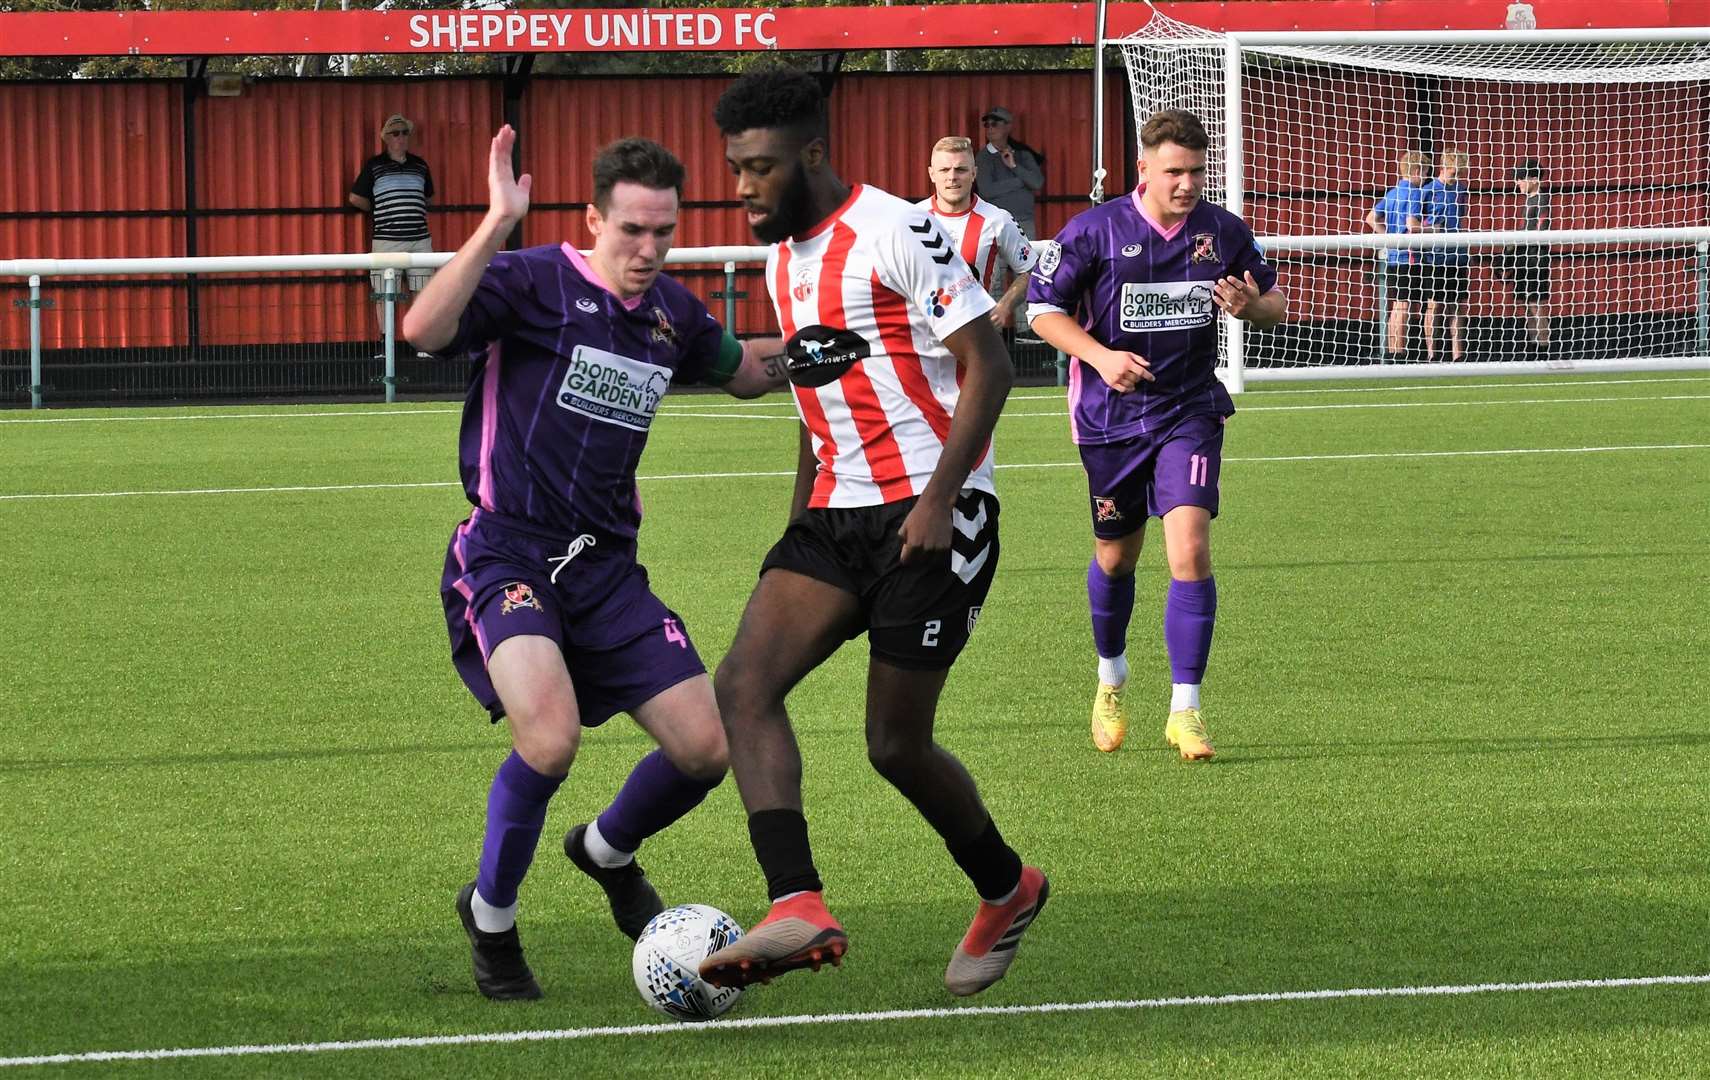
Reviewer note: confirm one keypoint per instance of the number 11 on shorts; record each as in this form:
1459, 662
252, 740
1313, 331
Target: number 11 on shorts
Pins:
1199, 468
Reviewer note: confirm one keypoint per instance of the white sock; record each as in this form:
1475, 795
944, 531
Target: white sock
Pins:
1113, 670
490, 919
789, 896
1184, 695
602, 852
1005, 898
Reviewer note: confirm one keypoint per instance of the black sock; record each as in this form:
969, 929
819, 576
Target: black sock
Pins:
992, 865
780, 841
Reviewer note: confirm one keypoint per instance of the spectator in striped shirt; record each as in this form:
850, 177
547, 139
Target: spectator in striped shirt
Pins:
395, 186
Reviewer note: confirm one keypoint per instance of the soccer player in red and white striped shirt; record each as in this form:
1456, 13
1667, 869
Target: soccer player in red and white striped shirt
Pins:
984, 233
899, 376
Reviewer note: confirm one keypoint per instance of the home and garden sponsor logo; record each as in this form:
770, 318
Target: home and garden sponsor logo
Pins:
1165, 305
616, 389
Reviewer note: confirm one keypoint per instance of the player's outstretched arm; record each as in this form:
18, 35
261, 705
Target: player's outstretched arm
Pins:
764, 368
431, 322
988, 376
1122, 371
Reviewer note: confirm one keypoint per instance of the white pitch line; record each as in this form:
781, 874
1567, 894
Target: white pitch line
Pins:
1243, 410
233, 490
1557, 383
681, 409
718, 1027
295, 415
1374, 455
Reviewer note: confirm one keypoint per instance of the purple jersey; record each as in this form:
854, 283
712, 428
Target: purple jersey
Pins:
1137, 286
565, 386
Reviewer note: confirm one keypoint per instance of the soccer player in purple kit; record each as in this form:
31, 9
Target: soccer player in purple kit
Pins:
1131, 290
553, 624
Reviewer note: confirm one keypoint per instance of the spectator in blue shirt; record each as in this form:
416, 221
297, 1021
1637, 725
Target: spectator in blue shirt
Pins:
1444, 209
1401, 210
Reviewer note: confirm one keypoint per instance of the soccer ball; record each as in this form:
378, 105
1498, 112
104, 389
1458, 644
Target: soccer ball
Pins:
668, 957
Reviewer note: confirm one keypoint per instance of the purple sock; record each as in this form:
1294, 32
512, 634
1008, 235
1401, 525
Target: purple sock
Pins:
1190, 613
656, 794
1112, 601
516, 812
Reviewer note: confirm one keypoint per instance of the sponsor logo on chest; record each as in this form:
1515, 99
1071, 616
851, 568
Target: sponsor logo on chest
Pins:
611, 388
1165, 305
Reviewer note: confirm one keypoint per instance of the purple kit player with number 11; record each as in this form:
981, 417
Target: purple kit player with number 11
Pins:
1131, 290
553, 624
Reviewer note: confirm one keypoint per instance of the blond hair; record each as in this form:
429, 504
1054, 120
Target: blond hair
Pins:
1452, 157
1414, 161
953, 144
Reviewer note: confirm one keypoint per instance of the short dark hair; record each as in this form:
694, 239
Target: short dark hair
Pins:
637, 161
1174, 126
773, 98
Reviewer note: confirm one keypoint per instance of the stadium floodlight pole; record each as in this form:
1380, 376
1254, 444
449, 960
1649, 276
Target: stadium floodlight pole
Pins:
1096, 196
1234, 184
35, 341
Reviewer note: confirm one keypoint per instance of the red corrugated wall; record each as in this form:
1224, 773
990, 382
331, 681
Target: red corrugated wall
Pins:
272, 168
96, 169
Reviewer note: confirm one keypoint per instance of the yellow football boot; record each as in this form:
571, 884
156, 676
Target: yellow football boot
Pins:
1186, 732
1109, 721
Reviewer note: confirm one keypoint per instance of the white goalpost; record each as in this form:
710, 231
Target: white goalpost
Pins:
1310, 130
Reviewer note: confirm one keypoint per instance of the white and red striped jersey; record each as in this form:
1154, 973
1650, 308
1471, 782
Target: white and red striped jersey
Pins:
985, 234
865, 302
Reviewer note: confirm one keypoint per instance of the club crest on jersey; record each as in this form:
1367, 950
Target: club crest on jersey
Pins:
821, 354
802, 289
1130, 250
663, 332
585, 304
1049, 259
1205, 248
1105, 509
518, 594
973, 617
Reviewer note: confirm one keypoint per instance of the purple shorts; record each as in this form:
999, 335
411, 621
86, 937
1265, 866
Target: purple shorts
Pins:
1150, 475
621, 644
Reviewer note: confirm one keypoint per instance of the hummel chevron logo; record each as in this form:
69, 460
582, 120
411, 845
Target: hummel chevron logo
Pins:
934, 241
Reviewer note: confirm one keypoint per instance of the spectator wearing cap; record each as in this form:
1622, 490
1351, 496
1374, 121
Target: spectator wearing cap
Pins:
1010, 173
1528, 265
394, 186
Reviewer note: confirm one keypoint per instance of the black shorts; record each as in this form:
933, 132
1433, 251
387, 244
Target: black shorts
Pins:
1448, 282
1406, 282
1530, 276
918, 615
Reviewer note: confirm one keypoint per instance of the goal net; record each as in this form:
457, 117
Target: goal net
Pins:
1570, 232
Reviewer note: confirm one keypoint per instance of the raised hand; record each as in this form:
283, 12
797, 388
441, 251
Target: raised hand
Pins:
507, 194
1235, 295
